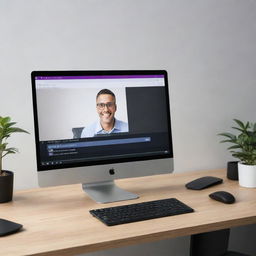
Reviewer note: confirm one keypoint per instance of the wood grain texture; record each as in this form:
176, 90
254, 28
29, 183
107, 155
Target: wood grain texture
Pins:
56, 220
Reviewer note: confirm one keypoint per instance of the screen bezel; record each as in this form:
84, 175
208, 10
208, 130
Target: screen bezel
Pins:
34, 74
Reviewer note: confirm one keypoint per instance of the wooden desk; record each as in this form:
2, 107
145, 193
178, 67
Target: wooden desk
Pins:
57, 221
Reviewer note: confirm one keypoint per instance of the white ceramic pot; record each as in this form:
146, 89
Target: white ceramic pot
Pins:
247, 175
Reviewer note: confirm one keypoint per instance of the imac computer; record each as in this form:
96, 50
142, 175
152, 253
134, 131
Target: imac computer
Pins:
93, 127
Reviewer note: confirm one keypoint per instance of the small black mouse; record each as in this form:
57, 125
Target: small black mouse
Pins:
223, 196
203, 182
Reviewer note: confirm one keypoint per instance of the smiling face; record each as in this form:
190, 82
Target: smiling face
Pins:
106, 108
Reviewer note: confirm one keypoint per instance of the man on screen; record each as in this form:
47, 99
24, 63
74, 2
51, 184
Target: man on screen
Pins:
106, 108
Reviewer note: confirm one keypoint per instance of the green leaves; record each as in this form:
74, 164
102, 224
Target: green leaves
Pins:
244, 142
230, 136
10, 151
6, 129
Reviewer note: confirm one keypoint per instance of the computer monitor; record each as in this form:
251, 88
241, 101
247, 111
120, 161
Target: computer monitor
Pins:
93, 127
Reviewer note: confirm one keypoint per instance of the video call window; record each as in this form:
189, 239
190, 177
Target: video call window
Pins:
80, 117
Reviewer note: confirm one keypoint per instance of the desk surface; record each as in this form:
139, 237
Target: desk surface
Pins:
56, 220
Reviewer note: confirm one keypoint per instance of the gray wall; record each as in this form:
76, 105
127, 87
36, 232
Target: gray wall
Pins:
207, 46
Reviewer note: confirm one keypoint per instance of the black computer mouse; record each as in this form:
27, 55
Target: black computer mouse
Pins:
223, 196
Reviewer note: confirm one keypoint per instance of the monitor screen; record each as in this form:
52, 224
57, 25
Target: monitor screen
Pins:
93, 126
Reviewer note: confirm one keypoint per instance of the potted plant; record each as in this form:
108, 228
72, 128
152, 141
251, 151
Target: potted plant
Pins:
244, 148
6, 177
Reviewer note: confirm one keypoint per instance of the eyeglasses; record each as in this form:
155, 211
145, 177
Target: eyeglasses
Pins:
103, 105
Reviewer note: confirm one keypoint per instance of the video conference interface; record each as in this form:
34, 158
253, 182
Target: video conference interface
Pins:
146, 118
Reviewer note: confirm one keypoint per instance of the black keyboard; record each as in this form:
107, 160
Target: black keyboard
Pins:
141, 211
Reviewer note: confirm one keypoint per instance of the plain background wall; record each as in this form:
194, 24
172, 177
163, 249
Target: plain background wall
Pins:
207, 46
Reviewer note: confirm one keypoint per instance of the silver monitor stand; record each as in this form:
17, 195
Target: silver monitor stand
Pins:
107, 192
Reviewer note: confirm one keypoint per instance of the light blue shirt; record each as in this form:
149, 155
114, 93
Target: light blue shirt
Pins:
96, 129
